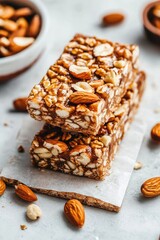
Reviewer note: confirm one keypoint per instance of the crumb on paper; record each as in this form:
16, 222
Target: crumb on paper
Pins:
23, 227
21, 149
138, 165
3, 206
5, 124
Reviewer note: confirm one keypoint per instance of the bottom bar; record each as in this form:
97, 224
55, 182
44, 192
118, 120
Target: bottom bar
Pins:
86, 155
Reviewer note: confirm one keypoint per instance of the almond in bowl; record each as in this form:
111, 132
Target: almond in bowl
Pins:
23, 31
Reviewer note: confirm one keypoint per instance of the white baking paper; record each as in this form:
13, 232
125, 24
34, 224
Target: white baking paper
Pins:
111, 190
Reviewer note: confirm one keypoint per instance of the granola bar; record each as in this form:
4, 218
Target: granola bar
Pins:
79, 92
86, 155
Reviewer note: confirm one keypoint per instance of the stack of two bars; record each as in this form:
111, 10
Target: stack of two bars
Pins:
87, 99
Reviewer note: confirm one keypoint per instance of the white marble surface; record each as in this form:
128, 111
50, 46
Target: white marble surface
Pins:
138, 218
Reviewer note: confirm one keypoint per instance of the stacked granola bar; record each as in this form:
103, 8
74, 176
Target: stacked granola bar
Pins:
87, 99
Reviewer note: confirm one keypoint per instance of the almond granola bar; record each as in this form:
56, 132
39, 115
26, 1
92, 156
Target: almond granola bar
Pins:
79, 92
86, 155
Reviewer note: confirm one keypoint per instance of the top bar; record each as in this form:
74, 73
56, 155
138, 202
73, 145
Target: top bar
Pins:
82, 89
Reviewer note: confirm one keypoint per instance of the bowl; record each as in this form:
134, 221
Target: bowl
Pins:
16, 64
152, 32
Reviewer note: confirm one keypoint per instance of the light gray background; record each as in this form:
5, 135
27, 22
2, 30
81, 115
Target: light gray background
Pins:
138, 218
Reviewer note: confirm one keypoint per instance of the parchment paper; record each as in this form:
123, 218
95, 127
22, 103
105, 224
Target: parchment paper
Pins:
107, 194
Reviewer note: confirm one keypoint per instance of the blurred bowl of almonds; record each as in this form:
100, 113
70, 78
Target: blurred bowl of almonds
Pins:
23, 33
151, 21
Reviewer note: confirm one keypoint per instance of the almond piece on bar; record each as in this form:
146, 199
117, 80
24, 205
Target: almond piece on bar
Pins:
83, 97
112, 19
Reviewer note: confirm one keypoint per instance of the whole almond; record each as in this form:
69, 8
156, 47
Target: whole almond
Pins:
112, 19
4, 42
2, 187
23, 12
75, 213
83, 97
156, 22
5, 52
9, 25
25, 193
20, 32
19, 43
20, 104
156, 11
22, 23
151, 187
3, 33
6, 12
34, 26
155, 132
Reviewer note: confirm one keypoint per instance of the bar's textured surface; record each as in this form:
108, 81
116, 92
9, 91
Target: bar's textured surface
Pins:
89, 155
85, 85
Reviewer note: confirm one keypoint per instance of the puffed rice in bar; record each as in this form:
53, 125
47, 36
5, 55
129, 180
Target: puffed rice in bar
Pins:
79, 92
86, 155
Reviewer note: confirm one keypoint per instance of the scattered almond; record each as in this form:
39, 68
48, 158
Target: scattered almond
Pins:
138, 165
151, 187
20, 104
75, 213
83, 97
21, 149
33, 212
155, 132
23, 227
2, 187
112, 19
34, 26
25, 193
